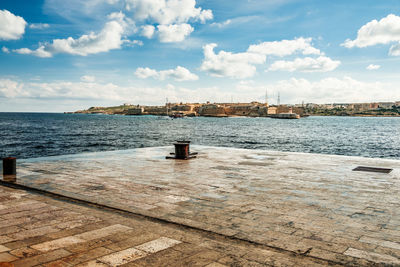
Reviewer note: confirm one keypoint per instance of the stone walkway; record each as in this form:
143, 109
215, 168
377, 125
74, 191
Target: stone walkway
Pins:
36, 230
305, 204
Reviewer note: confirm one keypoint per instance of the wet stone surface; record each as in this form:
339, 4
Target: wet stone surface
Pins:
307, 204
40, 231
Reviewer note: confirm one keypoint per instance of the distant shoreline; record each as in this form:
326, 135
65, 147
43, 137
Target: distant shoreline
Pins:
253, 109
230, 116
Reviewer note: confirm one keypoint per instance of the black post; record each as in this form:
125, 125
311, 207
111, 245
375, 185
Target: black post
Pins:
181, 150
9, 169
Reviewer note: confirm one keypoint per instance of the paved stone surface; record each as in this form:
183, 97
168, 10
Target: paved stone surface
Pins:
301, 203
107, 238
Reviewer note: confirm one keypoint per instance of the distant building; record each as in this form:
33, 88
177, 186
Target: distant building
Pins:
340, 105
135, 111
272, 110
212, 110
373, 105
386, 105
312, 105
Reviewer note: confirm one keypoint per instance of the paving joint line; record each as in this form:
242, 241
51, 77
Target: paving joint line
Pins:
108, 208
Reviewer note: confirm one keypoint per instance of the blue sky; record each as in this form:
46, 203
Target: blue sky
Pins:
59, 55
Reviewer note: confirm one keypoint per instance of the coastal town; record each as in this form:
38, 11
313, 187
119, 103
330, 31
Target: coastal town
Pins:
253, 109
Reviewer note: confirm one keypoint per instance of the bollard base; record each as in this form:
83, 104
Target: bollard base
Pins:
12, 178
191, 156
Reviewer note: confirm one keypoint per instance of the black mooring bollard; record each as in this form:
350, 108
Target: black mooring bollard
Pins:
181, 150
10, 169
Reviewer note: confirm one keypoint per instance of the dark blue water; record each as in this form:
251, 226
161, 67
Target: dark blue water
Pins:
27, 135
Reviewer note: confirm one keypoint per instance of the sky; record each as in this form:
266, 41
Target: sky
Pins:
58, 55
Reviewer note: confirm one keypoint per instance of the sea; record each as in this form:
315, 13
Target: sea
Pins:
31, 135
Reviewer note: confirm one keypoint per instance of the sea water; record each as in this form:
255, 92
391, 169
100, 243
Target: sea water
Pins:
29, 135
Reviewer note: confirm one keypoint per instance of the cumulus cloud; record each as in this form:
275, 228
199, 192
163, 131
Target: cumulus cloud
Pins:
373, 67
328, 90
148, 31
174, 33
178, 74
110, 37
375, 32
172, 15
39, 26
285, 47
12, 27
88, 78
5, 50
11, 89
65, 90
242, 65
167, 12
39, 52
307, 64
171, 18
109, 92
227, 64
144, 73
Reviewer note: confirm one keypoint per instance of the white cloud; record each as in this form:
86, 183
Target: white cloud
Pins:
88, 78
11, 89
395, 50
171, 18
242, 65
12, 27
179, 74
5, 50
132, 43
110, 37
168, 11
227, 64
40, 52
373, 67
39, 26
329, 90
83, 91
221, 24
144, 73
107, 39
307, 64
285, 47
377, 32
65, 90
174, 33
148, 31
146, 14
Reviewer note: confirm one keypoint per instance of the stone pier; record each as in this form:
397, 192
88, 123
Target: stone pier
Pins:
302, 209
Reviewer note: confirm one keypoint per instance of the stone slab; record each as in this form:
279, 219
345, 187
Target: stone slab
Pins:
158, 244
